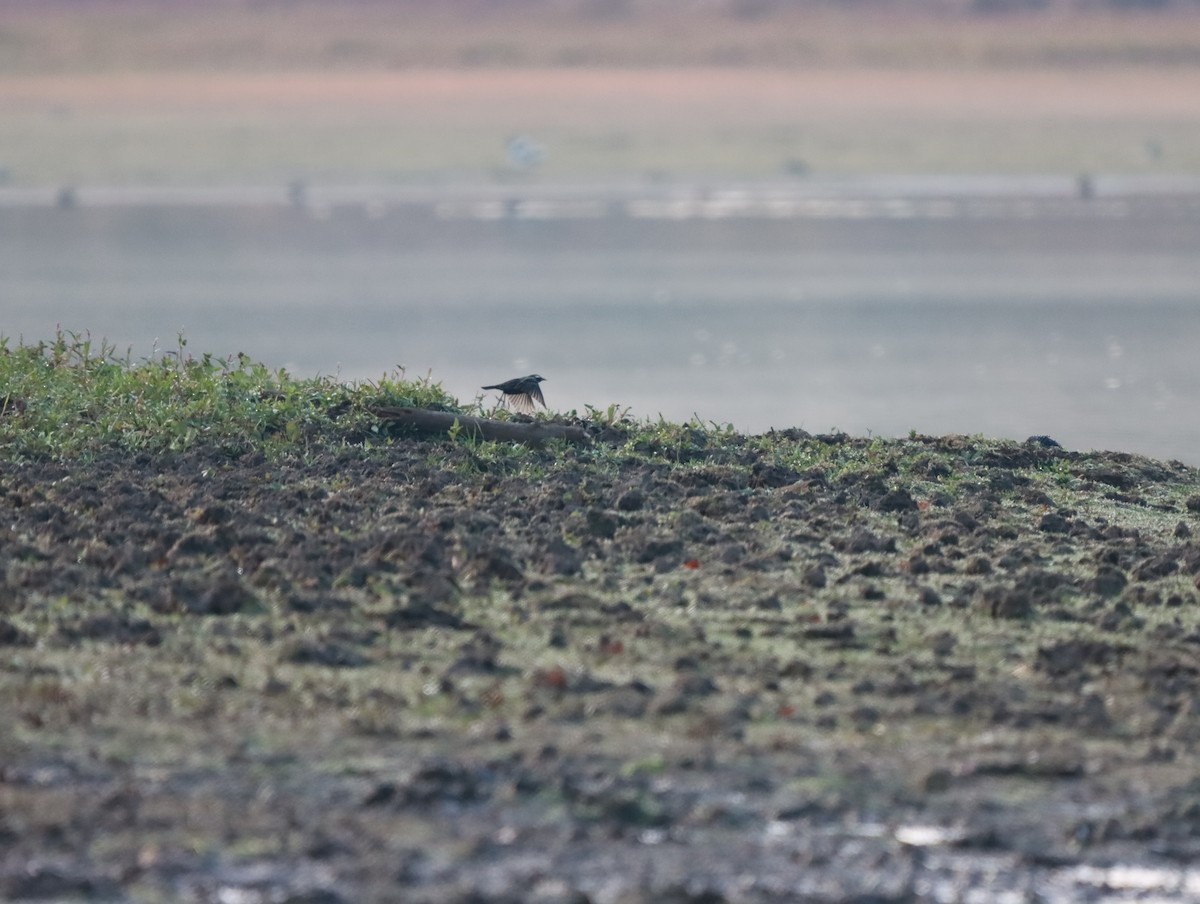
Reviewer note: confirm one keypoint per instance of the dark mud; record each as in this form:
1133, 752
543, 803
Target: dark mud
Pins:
932, 669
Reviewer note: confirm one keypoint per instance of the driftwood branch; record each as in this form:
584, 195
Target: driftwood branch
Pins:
535, 433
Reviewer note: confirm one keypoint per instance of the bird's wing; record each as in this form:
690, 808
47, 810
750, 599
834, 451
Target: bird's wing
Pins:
535, 392
521, 401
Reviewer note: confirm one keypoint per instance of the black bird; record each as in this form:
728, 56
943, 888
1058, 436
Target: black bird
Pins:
522, 392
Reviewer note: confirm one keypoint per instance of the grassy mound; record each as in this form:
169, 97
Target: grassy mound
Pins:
255, 647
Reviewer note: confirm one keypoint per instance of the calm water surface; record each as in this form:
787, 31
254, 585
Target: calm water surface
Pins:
1006, 317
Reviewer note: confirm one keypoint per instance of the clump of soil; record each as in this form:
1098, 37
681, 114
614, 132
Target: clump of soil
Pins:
719, 669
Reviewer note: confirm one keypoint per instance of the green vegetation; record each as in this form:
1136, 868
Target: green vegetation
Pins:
75, 396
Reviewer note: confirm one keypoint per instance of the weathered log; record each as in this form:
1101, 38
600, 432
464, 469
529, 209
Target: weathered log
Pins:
534, 433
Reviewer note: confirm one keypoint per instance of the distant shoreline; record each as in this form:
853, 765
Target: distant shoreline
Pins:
888, 196
591, 125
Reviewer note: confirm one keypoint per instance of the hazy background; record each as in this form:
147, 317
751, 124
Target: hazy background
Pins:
943, 216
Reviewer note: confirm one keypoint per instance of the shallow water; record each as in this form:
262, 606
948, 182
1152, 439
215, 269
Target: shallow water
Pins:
1007, 315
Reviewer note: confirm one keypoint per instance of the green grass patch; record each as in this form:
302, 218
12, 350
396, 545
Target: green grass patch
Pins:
76, 396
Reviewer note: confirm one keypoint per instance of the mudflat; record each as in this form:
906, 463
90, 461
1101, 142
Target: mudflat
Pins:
691, 666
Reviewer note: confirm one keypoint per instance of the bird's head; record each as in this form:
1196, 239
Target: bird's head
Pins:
537, 378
